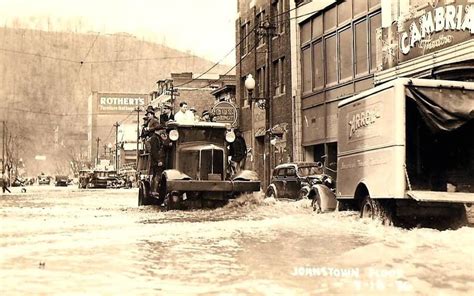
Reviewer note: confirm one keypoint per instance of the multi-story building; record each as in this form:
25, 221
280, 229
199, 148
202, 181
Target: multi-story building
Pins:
263, 50
334, 56
188, 87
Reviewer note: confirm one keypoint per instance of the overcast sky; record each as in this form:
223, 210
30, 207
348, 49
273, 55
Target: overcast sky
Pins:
203, 27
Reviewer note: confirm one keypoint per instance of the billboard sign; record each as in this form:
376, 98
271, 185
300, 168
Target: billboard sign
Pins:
111, 103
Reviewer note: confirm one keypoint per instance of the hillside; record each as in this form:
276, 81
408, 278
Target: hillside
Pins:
46, 77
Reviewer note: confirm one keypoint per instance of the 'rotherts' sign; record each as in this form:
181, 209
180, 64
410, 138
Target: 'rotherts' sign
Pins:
119, 103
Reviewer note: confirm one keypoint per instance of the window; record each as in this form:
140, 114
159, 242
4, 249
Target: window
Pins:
345, 53
281, 172
375, 23
305, 32
344, 11
359, 7
317, 26
318, 64
331, 59
373, 3
330, 19
260, 18
278, 15
279, 76
306, 67
244, 39
361, 47
260, 90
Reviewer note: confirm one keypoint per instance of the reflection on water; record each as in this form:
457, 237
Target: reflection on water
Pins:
100, 242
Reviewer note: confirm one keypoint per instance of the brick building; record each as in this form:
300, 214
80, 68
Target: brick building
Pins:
274, 85
191, 88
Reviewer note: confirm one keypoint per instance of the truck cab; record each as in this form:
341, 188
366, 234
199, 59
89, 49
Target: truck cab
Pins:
196, 171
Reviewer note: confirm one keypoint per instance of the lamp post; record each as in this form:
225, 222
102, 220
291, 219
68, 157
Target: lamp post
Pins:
262, 103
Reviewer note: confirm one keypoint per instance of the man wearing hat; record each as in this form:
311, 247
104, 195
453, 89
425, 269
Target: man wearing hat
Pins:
206, 116
159, 145
166, 115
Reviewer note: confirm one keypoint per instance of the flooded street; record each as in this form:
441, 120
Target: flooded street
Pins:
71, 241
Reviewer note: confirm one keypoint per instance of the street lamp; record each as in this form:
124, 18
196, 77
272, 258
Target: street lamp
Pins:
250, 86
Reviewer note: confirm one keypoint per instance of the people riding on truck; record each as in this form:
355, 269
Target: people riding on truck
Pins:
159, 145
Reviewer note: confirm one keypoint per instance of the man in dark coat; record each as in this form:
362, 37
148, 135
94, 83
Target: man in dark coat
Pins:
238, 152
167, 115
159, 145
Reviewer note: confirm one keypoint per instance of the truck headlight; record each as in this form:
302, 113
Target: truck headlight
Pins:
174, 135
230, 136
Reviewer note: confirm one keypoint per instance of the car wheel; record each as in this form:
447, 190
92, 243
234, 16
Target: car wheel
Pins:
270, 193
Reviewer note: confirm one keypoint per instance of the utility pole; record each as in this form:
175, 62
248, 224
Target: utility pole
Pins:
268, 32
138, 134
116, 146
3, 147
97, 151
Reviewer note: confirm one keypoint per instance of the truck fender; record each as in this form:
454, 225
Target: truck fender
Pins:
175, 175
246, 175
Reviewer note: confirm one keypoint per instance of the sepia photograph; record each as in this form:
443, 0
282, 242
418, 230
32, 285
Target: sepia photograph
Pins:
237, 147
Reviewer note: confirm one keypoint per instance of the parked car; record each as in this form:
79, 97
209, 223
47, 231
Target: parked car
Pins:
18, 182
301, 180
61, 180
44, 180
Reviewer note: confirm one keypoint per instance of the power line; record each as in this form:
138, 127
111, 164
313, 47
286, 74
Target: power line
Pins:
90, 48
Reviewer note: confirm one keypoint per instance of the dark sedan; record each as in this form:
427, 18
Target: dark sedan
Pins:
289, 179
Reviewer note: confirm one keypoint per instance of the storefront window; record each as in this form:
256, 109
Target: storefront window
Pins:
318, 63
361, 47
345, 53
331, 60
306, 67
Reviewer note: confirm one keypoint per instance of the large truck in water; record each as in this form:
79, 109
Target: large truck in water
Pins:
197, 172
406, 151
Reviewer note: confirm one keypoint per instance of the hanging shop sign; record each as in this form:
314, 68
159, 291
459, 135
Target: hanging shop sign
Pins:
225, 112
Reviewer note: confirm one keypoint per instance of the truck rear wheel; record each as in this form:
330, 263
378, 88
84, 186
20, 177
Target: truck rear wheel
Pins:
377, 210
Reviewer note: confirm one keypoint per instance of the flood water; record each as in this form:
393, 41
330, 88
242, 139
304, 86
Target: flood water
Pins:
57, 241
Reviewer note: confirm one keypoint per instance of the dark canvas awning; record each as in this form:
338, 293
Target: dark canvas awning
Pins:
443, 109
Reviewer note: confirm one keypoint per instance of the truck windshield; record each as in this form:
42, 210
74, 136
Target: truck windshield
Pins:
214, 136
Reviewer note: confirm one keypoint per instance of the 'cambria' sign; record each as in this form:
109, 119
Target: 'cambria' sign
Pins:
433, 28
